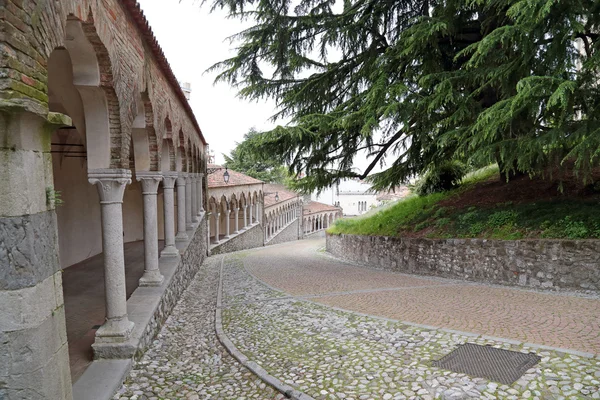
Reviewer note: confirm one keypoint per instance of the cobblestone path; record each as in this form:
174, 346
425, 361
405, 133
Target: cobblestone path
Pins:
560, 320
333, 354
186, 361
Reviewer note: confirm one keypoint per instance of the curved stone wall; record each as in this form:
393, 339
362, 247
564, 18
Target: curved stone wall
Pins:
545, 263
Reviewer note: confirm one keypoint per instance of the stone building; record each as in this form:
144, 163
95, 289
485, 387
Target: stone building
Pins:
317, 217
235, 210
245, 213
283, 209
102, 219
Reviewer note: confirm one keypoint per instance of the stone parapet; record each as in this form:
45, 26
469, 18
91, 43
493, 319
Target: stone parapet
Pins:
246, 239
287, 234
544, 263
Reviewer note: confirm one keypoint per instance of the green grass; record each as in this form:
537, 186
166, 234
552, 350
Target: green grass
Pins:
424, 217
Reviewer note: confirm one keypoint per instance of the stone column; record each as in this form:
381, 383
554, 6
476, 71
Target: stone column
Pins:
169, 179
152, 275
236, 213
217, 227
181, 232
258, 212
245, 208
111, 186
208, 217
199, 189
188, 202
34, 354
194, 198
227, 223
250, 214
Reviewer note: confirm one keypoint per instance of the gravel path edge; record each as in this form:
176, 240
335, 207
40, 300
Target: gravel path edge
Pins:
256, 369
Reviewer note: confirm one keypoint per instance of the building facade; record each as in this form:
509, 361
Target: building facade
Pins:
100, 150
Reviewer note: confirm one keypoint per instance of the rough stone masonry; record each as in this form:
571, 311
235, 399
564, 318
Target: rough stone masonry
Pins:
572, 264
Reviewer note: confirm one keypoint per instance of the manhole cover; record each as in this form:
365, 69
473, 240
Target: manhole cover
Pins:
488, 362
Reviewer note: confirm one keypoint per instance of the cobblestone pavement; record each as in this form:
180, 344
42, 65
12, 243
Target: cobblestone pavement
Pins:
186, 361
332, 354
560, 320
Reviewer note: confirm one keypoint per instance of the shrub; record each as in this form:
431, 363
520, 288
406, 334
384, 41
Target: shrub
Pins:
501, 218
442, 178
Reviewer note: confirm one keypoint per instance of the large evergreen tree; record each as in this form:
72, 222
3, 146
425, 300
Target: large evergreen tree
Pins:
415, 83
247, 161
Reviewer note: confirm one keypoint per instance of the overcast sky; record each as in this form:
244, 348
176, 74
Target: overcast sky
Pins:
193, 40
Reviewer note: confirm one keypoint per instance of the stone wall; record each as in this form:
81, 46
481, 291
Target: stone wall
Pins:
287, 234
249, 239
572, 264
189, 264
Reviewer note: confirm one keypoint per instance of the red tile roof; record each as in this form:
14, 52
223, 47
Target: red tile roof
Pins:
316, 207
235, 178
136, 13
282, 192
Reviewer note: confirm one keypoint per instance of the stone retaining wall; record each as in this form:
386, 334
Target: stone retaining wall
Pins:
248, 239
573, 264
287, 234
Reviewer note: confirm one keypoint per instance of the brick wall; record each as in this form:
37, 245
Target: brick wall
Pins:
573, 264
34, 28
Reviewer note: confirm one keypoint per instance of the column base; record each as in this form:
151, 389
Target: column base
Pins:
189, 226
169, 251
115, 331
182, 237
195, 219
151, 278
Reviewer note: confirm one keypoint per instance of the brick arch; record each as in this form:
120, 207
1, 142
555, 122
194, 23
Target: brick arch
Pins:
119, 143
181, 152
153, 143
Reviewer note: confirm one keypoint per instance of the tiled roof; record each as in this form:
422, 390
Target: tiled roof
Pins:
235, 178
136, 13
316, 207
282, 192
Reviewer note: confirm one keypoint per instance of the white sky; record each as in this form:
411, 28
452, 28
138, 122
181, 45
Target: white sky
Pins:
193, 40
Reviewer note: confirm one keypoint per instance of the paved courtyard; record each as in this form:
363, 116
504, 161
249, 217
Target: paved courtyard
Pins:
329, 353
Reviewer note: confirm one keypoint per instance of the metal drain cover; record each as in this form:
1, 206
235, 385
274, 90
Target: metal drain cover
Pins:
488, 362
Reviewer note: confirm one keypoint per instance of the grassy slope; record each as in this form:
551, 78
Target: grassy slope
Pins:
524, 209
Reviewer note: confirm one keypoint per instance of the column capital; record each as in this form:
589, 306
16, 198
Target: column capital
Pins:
149, 180
189, 177
110, 183
169, 179
181, 178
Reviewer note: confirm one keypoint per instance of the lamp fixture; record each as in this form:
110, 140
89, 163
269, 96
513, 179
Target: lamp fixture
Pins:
226, 175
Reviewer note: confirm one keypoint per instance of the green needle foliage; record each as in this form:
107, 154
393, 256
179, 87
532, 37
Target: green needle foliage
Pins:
418, 83
267, 169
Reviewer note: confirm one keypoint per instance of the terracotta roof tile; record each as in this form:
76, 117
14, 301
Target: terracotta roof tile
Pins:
235, 178
316, 207
282, 192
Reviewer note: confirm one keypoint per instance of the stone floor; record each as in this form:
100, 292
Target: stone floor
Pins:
186, 360
330, 353
83, 285
556, 319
